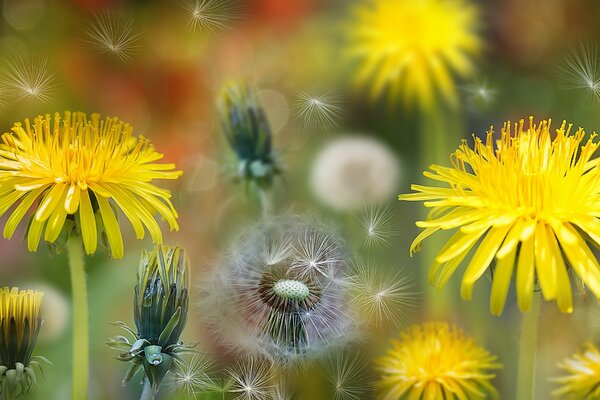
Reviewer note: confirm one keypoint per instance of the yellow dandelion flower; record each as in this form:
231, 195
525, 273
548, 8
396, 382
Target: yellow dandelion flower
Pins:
583, 379
436, 361
532, 198
20, 323
413, 48
71, 168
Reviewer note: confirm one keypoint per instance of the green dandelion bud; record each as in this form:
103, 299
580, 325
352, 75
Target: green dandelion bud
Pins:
160, 314
20, 323
248, 132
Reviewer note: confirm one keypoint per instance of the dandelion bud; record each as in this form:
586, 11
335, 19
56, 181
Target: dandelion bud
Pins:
248, 132
20, 323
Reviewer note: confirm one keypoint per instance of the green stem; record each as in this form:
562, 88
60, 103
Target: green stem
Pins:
266, 202
80, 373
148, 393
528, 351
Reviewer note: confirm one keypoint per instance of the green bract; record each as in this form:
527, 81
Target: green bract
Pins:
160, 309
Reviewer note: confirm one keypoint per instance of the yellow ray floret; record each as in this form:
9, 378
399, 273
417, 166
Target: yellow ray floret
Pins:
72, 167
435, 361
582, 379
528, 203
414, 48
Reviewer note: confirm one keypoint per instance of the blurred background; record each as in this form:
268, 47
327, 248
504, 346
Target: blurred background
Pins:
162, 74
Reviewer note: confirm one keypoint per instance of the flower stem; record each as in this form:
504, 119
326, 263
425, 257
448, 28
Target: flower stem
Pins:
266, 202
528, 351
80, 373
148, 393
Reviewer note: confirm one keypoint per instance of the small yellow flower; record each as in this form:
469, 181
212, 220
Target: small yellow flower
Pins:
529, 201
413, 48
20, 323
436, 361
583, 379
72, 169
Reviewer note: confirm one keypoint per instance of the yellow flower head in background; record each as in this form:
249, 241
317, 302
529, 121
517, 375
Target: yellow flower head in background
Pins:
20, 323
414, 48
436, 361
529, 203
74, 171
583, 379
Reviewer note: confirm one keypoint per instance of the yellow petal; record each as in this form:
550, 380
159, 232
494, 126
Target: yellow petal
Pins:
50, 201
545, 264
501, 282
525, 269
72, 199
111, 226
87, 223
17, 215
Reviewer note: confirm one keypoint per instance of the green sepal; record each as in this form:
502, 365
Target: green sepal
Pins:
173, 322
131, 372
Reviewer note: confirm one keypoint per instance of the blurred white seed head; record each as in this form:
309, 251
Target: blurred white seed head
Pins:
114, 33
208, 15
251, 379
282, 391
348, 376
56, 311
353, 171
29, 78
280, 293
378, 226
192, 377
480, 93
381, 297
580, 69
319, 113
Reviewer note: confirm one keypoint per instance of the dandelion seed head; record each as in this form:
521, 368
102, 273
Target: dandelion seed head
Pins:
382, 297
480, 93
113, 32
318, 112
29, 78
353, 171
280, 293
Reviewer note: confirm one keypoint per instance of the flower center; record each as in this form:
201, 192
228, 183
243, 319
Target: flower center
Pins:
291, 289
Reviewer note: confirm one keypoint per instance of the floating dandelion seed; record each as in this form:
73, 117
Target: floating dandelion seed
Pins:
209, 15
282, 391
252, 379
113, 33
191, 377
434, 361
377, 224
318, 112
349, 376
480, 93
580, 69
583, 375
29, 78
527, 201
381, 296
268, 300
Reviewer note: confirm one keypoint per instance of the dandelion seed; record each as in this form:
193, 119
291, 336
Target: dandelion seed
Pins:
29, 78
318, 112
580, 69
480, 93
348, 376
377, 224
113, 33
251, 380
265, 301
191, 377
209, 15
382, 296
435, 358
282, 391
